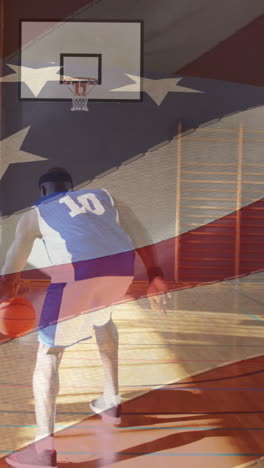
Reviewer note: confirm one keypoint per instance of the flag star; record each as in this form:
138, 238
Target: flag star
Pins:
11, 153
156, 89
35, 78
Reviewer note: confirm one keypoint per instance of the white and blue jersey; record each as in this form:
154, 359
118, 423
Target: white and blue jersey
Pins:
81, 228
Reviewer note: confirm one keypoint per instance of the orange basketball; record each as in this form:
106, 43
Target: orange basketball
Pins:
17, 317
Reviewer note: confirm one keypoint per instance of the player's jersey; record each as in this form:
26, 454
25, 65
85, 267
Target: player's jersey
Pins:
81, 228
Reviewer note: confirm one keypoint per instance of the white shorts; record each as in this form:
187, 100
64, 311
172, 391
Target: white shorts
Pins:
71, 310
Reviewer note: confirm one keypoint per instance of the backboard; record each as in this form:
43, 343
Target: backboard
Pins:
109, 51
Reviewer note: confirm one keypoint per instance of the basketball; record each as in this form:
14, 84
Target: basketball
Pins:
17, 317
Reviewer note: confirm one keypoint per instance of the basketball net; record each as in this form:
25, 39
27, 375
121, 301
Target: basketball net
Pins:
80, 88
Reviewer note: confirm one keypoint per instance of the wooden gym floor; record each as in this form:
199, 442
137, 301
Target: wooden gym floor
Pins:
192, 384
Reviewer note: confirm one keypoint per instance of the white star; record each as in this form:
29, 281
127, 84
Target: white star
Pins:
11, 153
35, 78
156, 89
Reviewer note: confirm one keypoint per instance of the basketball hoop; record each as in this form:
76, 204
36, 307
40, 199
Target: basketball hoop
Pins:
80, 88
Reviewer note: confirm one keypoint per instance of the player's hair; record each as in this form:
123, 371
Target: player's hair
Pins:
55, 174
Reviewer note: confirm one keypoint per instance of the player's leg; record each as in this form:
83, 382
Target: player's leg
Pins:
46, 373
108, 404
107, 341
109, 291
46, 389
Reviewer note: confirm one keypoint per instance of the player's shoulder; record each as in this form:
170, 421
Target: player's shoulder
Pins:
30, 214
89, 190
100, 192
53, 197
28, 221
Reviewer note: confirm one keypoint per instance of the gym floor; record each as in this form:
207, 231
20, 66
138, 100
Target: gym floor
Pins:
191, 384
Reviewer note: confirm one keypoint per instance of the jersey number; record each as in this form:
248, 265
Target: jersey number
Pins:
88, 202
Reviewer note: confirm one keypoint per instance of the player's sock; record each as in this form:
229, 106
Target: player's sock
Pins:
109, 407
111, 398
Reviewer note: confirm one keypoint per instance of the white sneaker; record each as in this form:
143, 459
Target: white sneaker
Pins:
30, 458
109, 410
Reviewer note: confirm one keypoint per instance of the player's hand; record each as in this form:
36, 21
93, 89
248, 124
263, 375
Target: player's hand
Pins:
158, 294
9, 286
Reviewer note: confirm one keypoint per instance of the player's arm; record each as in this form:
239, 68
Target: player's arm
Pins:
27, 231
139, 235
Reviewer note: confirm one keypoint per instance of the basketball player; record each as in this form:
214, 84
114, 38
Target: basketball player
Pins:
93, 266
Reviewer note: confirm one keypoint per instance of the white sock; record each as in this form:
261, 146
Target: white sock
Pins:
111, 398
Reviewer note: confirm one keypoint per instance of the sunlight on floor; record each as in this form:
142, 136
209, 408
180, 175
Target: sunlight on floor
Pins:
205, 328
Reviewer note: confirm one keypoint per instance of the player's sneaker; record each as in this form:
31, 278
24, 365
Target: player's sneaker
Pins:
110, 411
30, 458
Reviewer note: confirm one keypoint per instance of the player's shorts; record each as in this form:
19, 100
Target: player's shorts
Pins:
72, 309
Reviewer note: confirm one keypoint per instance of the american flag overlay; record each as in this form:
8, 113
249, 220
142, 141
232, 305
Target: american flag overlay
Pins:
173, 133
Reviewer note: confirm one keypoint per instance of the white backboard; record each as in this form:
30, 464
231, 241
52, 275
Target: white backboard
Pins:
110, 51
